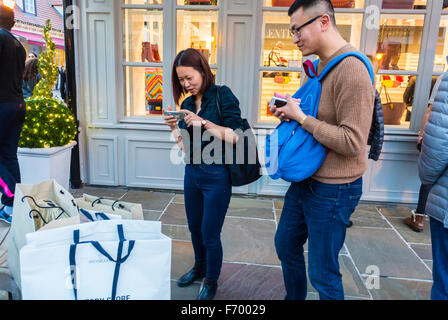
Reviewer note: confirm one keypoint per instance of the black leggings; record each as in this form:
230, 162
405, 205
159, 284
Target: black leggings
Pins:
422, 197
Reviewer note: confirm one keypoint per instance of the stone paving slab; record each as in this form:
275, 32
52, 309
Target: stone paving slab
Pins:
174, 214
385, 249
249, 240
115, 193
250, 282
410, 235
424, 251
149, 200
398, 289
249, 208
366, 215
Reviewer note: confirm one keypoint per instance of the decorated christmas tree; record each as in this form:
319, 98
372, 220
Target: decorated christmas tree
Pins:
49, 122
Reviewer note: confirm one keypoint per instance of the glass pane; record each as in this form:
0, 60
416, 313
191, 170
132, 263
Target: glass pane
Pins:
279, 82
143, 35
440, 63
397, 95
198, 30
197, 2
350, 27
399, 42
148, 2
336, 3
404, 4
144, 91
278, 48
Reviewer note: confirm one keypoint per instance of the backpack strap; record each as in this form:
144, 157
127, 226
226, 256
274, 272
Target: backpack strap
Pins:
341, 57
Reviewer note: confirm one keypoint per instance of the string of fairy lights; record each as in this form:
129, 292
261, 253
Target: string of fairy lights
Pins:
49, 122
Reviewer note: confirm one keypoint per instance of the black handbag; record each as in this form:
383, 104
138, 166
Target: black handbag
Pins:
242, 171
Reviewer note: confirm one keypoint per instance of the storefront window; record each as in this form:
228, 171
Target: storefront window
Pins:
440, 63
276, 82
146, 2
143, 35
198, 30
197, 2
280, 51
143, 44
336, 3
399, 42
397, 96
404, 4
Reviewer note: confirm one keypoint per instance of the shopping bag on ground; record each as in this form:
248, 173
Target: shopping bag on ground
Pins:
102, 260
36, 206
92, 216
126, 210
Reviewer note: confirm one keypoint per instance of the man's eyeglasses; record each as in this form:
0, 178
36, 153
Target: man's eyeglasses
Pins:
296, 31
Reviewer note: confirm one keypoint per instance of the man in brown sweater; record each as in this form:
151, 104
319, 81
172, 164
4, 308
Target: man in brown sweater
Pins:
319, 208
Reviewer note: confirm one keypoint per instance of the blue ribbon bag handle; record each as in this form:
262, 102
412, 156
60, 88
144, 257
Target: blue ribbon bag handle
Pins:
120, 259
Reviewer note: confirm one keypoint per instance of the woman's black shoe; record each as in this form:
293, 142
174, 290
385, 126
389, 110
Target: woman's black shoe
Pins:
208, 290
190, 277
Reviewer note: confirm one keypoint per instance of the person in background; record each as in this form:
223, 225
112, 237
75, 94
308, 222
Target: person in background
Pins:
32, 55
30, 77
417, 218
207, 184
433, 171
12, 107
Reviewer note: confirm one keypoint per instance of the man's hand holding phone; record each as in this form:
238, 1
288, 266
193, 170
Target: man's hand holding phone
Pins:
286, 111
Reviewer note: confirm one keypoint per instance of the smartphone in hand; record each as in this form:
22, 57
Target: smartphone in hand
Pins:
175, 114
278, 102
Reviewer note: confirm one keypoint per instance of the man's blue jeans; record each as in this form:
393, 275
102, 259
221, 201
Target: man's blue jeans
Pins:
318, 212
439, 239
207, 191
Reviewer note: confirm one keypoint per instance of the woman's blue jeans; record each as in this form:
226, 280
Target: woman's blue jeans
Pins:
207, 191
320, 213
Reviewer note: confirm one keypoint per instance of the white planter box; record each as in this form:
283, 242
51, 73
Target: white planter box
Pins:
39, 164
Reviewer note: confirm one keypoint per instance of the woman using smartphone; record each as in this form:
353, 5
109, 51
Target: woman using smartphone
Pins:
207, 185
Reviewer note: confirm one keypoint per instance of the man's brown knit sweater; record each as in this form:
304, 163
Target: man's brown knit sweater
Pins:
344, 119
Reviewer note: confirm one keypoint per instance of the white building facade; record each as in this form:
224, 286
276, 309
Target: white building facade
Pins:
125, 50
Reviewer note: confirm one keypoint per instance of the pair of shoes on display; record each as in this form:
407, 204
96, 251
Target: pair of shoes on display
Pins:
208, 288
4, 216
415, 221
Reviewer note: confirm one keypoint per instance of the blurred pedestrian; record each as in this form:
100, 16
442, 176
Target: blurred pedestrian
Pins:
30, 77
12, 107
417, 218
433, 171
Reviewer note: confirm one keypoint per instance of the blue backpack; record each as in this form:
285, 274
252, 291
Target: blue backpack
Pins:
292, 153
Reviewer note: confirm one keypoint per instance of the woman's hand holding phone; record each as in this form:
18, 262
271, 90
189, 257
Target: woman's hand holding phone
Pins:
170, 120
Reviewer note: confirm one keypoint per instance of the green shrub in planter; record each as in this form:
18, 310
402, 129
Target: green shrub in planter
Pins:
49, 122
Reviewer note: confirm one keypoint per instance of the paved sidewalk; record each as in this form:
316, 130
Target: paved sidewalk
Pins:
251, 269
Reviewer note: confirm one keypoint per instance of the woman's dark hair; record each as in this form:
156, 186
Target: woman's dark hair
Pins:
191, 58
30, 71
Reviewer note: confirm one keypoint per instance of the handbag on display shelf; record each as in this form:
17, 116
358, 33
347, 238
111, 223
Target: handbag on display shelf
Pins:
392, 111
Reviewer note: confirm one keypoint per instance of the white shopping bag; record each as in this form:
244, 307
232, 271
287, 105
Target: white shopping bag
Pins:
80, 262
92, 216
126, 210
27, 216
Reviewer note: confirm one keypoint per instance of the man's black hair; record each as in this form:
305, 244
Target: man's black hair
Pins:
306, 4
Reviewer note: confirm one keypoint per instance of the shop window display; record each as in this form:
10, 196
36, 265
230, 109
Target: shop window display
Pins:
279, 51
198, 30
198, 2
440, 63
145, 2
143, 39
